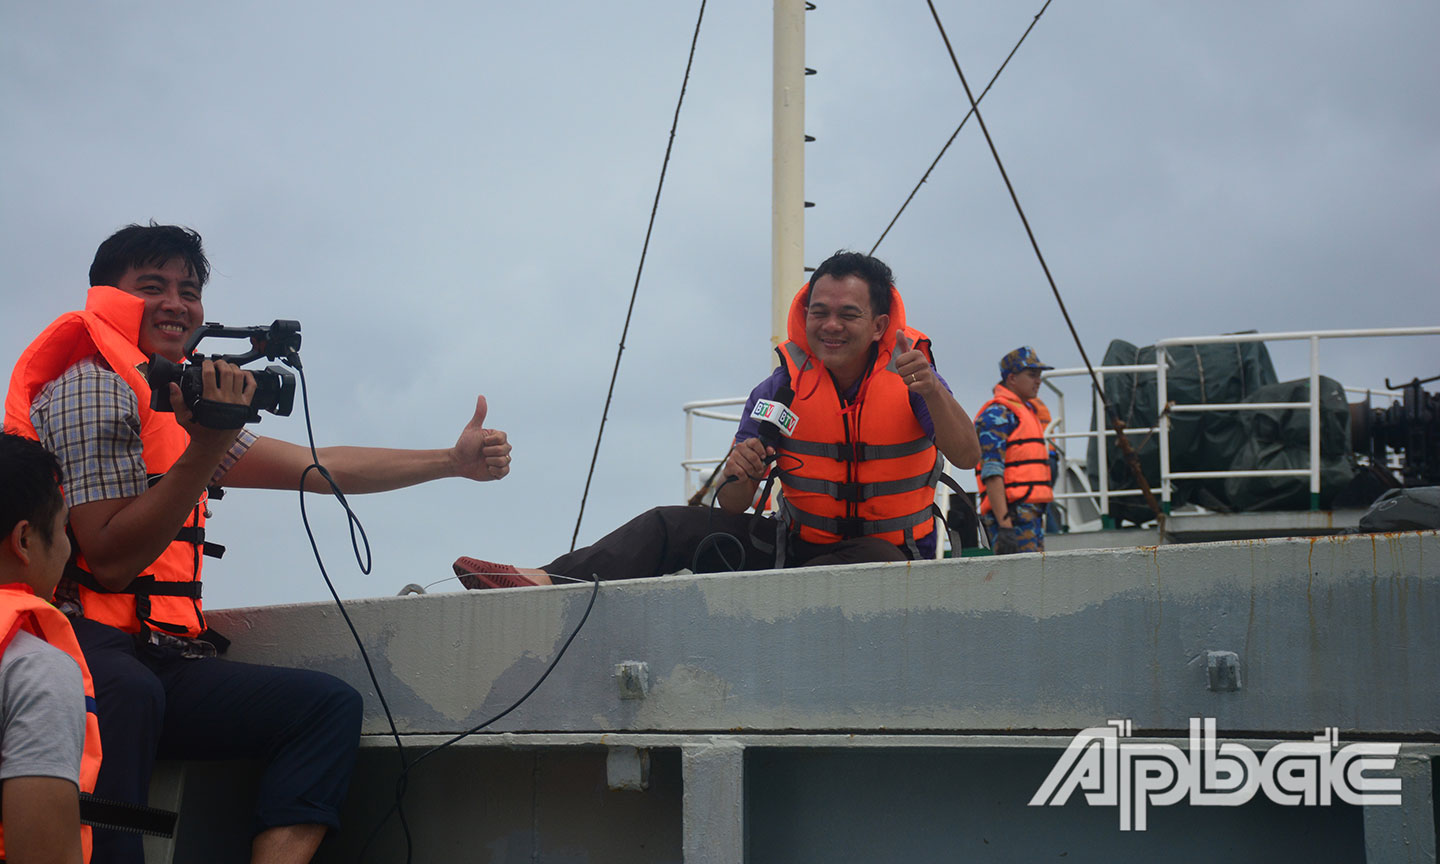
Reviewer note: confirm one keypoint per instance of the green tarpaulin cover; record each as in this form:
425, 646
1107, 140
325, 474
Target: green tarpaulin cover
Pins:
1222, 440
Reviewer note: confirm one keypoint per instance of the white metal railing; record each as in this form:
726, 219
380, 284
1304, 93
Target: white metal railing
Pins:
1312, 403
704, 408
1102, 495
1058, 431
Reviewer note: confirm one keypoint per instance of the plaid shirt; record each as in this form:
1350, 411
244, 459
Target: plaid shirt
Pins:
90, 419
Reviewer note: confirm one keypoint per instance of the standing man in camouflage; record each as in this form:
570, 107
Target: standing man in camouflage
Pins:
1014, 472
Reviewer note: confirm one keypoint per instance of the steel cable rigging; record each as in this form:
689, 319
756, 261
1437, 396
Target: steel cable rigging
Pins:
963, 121
654, 207
1115, 422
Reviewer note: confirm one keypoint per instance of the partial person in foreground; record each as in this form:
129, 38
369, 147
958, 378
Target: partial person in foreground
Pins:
1014, 473
873, 418
49, 739
137, 483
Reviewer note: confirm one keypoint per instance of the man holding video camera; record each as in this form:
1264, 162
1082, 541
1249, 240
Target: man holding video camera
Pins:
136, 482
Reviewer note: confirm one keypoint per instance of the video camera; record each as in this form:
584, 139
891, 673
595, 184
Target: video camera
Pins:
274, 385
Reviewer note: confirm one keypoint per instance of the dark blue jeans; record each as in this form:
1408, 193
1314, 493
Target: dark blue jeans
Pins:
153, 703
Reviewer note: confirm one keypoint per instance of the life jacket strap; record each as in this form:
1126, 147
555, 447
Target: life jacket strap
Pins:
196, 535
911, 550
1029, 489
856, 492
146, 585
856, 526
859, 450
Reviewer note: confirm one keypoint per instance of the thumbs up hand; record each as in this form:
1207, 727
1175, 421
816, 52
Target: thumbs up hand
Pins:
480, 453
912, 366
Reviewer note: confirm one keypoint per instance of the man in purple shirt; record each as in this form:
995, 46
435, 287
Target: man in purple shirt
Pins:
770, 388
840, 325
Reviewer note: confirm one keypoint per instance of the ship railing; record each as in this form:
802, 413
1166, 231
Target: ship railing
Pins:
1312, 404
1074, 473
698, 469
1073, 490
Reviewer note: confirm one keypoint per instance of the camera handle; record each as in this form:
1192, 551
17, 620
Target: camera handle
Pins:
280, 341
275, 386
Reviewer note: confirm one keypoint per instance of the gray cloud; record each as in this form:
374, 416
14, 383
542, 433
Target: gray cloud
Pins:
452, 199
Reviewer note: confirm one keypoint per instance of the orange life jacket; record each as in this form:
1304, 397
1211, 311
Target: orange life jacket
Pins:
863, 470
20, 610
1042, 413
167, 596
1027, 464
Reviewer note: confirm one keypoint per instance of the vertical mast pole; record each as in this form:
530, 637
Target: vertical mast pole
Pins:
787, 208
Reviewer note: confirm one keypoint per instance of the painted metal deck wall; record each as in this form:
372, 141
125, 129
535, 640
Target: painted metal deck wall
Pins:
1329, 631
780, 708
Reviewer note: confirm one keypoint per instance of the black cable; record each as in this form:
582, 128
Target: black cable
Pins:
364, 563
402, 781
1121, 440
654, 208
713, 538
963, 121
1034, 244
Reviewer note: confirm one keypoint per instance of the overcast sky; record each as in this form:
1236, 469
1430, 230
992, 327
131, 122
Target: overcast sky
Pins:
452, 197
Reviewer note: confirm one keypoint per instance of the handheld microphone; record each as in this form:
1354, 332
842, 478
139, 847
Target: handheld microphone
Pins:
776, 420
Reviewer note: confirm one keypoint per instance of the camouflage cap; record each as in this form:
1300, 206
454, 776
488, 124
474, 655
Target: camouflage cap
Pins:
1019, 360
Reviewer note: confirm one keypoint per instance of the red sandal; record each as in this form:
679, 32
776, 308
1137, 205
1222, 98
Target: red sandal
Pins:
476, 574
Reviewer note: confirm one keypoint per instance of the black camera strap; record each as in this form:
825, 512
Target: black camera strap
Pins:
124, 816
221, 415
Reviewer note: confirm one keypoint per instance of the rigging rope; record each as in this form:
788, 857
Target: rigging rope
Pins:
654, 207
963, 121
1120, 440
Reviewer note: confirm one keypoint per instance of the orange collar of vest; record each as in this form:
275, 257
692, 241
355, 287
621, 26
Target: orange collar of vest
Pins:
1009, 397
116, 308
21, 587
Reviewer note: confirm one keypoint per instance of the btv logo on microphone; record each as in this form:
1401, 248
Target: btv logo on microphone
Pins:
775, 412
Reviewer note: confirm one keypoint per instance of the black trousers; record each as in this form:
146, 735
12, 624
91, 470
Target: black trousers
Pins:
706, 540
151, 702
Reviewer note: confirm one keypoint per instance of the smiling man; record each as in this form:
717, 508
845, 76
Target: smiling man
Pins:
858, 470
137, 483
